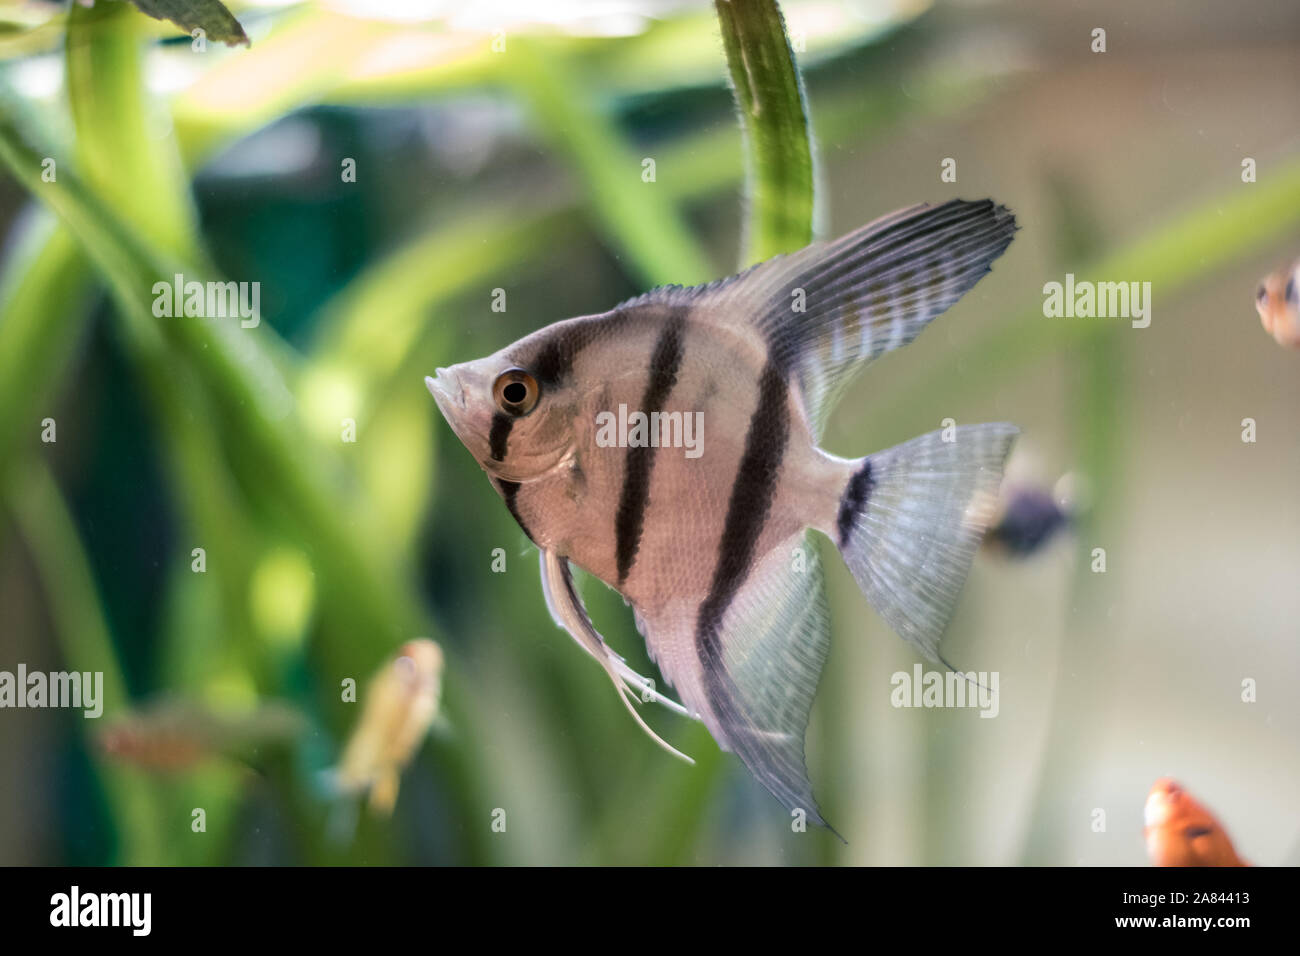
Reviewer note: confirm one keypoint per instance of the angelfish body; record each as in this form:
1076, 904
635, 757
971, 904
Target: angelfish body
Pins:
712, 549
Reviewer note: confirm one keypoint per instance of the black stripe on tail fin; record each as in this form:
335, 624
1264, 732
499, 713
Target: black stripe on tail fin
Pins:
853, 501
911, 518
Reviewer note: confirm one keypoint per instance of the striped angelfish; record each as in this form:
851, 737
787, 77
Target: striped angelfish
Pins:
670, 448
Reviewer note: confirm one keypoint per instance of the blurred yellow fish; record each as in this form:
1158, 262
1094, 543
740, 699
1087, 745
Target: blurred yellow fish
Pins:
401, 702
1181, 832
1278, 304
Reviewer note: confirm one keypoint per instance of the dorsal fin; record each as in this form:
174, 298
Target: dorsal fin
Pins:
831, 308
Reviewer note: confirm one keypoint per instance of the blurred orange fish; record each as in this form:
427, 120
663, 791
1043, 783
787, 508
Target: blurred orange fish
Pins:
1181, 832
175, 735
1278, 304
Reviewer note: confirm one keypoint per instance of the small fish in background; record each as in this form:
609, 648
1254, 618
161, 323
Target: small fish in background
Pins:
698, 507
1181, 832
1278, 302
399, 705
177, 735
1029, 516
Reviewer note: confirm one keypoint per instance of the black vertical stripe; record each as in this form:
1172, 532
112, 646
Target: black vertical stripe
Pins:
554, 360
550, 364
510, 492
752, 495
855, 496
499, 436
635, 496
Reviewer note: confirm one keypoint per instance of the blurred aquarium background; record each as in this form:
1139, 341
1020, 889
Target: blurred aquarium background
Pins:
499, 146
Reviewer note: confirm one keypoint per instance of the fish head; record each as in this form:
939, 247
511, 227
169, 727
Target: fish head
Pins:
420, 664
1166, 802
1278, 297
514, 420
1180, 831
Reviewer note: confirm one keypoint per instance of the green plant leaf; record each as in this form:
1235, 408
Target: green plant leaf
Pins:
210, 16
778, 147
42, 312
117, 155
253, 406
81, 629
636, 214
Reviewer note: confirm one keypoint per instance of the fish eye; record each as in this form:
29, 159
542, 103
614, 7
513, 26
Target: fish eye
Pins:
1290, 290
1261, 293
515, 391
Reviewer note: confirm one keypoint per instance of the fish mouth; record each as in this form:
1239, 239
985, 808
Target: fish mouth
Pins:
447, 390
1156, 810
1160, 802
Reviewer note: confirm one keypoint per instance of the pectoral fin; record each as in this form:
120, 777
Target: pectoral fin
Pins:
567, 609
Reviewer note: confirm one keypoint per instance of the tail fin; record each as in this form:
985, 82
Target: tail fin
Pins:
910, 519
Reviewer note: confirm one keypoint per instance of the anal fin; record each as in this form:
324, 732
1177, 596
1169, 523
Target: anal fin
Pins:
753, 676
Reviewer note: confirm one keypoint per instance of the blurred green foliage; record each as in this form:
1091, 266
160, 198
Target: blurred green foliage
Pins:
323, 556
